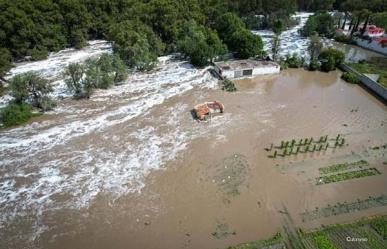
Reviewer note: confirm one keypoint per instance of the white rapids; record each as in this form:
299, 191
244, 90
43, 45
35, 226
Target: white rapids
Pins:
107, 144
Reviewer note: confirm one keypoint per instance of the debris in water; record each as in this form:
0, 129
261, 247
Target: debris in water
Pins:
202, 111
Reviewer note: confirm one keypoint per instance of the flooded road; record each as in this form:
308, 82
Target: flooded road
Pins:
130, 168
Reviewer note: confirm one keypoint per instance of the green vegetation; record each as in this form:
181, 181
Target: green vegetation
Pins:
77, 82
277, 239
136, 43
28, 90
200, 44
328, 237
347, 176
342, 167
237, 38
293, 147
321, 23
380, 225
140, 30
5, 61
228, 85
15, 114
380, 19
30, 87
350, 78
103, 72
343, 38
344, 208
315, 46
373, 66
294, 61
322, 241
330, 59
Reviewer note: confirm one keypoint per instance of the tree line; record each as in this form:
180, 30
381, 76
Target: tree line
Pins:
140, 29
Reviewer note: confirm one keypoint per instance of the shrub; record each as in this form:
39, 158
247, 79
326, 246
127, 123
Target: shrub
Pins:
30, 86
380, 225
321, 22
294, 61
37, 54
102, 73
228, 86
350, 78
314, 65
343, 38
330, 59
15, 114
76, 81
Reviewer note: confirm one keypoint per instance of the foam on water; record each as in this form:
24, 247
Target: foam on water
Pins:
42, 169
291, 40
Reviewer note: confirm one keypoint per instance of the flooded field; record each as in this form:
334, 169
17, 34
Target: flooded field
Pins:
130, 168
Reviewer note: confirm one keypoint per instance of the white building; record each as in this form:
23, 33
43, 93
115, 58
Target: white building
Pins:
245, 68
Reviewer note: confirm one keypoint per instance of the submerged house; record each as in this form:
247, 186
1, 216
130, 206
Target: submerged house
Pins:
245, 68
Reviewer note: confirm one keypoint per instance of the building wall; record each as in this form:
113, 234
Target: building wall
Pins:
266, 70
374, 45
229, 74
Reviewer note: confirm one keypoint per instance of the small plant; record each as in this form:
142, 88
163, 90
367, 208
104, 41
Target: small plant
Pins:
343, 38
314, 65
228, 86
350, 78
294, 61
15, 114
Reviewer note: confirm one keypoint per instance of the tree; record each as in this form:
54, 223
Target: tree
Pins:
331, 58
5, 61
246, 44
315, 46
200, 44
276, 46
136, 43
227, 24
322, 23
237, 38
105, 71
76, 82
380, 19
31, 86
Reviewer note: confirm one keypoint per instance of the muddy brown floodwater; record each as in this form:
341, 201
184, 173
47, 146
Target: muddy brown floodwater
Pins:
221, 188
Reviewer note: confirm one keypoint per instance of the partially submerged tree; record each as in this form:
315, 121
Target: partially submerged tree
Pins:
102, 72
105, 71
31, 87
315, 46
276, 46
330, 59
76, 81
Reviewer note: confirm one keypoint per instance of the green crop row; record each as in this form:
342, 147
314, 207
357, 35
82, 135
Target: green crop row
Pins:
342, 167
322, 241
347, 176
